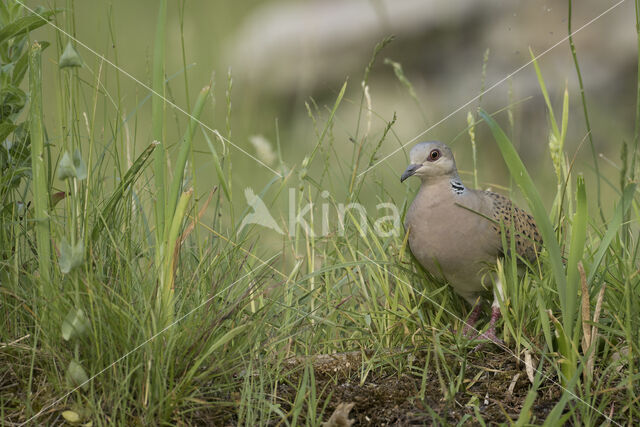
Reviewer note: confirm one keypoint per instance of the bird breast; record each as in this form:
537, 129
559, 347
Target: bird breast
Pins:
450, 235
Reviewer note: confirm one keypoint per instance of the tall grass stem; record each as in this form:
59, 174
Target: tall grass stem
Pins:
586, 111
39, 169
157, 118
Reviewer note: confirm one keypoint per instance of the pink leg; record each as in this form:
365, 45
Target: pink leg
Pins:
468, 330
491, 332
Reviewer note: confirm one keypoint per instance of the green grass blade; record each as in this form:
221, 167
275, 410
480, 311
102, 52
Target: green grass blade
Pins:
38, 165
525, 413
524, 181
576, 249
222, 180
555, 416
224, 339
116, 197
185, 149
329, 122
170, 258
545, 94
614, 225
565, 114
544, 319
157, 117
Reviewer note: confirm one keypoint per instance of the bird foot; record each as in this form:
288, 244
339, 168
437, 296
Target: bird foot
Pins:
468, 331
489, 335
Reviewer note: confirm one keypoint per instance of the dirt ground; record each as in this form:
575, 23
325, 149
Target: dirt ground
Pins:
493, 384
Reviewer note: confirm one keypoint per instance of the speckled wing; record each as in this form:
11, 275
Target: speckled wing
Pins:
528, 239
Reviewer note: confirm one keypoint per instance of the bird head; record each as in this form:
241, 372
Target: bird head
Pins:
429, 160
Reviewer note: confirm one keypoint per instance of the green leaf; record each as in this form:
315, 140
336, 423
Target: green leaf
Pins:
14, 100
24, 24
70, 58
71, 256
71, 417
69, 168
75, 325
5, 15
77, 376
5, 129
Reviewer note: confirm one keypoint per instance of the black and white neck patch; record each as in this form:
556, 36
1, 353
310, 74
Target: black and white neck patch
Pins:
456, 186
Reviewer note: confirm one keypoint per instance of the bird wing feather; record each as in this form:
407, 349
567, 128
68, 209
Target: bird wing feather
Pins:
527, 237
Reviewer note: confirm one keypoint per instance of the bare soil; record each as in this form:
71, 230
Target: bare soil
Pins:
493, 385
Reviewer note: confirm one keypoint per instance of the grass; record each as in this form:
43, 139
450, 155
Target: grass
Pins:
140, 300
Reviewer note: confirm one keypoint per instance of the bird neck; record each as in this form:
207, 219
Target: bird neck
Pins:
456, 185
451, 182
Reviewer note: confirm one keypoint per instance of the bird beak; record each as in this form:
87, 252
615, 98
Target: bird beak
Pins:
411, 169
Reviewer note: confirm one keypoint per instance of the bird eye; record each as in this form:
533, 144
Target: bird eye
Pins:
434, 155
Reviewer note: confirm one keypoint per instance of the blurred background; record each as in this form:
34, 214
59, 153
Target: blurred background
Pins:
287, 58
